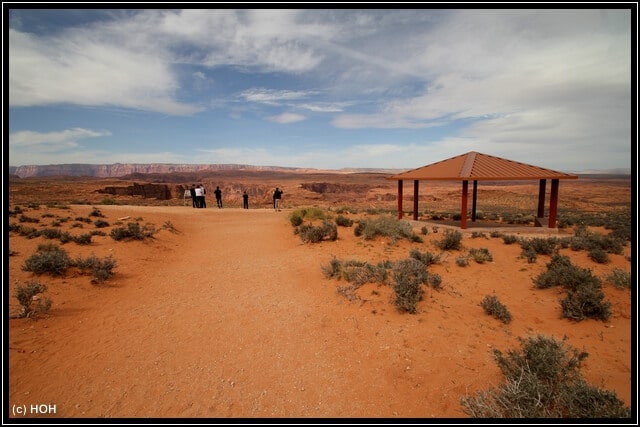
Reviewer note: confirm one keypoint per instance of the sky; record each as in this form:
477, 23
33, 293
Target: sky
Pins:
320, 88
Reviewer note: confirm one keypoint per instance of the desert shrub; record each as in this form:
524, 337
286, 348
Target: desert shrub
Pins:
83, 219
96, 212
509, 239
82, 239
49, 258
31, 304
309, 214
427, 258
65, 237
434, 280
310, 233
462, 261
540, 245
481, 255
47, 215
296, 218
133, 232
25, 231
451, 240
50, 233
456, 217
33, 205
620, 278
424, 230
495, 308
97, 233
386, 226
415, 238
100, 223
77, 225
599, 255
543, 381
409, 275
108, 201
530, 254
101, 269
495, 234
24, 218
478, 234
168, 225
343, 221
561, 272
586, 301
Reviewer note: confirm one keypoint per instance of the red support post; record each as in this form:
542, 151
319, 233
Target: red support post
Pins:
399, 199
415, 200
541, 196
463, 213
553, 202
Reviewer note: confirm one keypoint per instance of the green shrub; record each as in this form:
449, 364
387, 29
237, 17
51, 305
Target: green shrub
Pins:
495, 308
462, 261
83, 219
31, 304
599, 255
101, 269
451, 241
478, 234
543, 381
83, 239
310, 233
509, 239
541, 246
296, 218
409, 275
424, 230
481, 255
427, 258
434, 280
620, 278
586, 301
24, 218
50, 233
49, 258
96, 212
100, 223
386, 226
133, 232
343, 221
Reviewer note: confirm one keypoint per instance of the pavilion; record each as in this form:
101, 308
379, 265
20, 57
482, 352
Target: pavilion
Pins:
473, 166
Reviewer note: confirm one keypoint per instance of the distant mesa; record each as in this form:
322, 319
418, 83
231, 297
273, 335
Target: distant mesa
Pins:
136, 170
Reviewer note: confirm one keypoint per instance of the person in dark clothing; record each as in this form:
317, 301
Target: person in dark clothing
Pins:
277, 197
245, 200
218, 194
192, 190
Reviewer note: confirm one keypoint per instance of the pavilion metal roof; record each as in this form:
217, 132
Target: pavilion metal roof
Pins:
474, 166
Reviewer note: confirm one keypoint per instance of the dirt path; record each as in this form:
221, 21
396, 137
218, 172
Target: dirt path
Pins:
231, 316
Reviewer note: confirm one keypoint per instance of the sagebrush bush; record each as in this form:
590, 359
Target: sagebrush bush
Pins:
540, 246
409, 275
462, 261
495, 308
49, 258
481, 255
509, 239
386, 226
427, 258
133, 232
310, 233
599, 255
620, 278
101, 269
543, 381
26, 294
451, 241
343, 221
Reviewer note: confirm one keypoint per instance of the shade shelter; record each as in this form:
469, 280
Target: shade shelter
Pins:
474, 166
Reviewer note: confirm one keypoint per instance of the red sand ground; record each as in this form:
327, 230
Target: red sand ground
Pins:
231, 316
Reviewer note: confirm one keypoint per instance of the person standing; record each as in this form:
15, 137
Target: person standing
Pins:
199, 196
192, 191
245, 200
218, 194
277, 197
203, 200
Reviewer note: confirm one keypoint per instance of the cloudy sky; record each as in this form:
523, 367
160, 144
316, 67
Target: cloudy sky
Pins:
361, 88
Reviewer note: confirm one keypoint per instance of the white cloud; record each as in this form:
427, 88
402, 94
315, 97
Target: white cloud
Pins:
286, 118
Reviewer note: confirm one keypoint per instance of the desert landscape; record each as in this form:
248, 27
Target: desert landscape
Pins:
226, 313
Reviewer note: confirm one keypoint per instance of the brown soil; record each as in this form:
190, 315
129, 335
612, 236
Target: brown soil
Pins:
226, 313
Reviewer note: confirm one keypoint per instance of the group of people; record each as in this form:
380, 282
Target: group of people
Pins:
198, 193
198, 200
